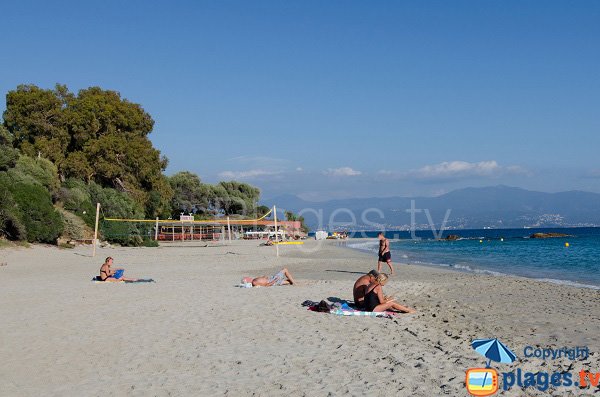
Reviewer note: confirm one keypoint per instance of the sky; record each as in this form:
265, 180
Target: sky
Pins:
337, 99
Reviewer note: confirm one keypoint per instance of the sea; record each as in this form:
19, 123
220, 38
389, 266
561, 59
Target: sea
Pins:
572, 260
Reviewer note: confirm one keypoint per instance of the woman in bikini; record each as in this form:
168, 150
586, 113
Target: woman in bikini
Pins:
112, 275
375, 301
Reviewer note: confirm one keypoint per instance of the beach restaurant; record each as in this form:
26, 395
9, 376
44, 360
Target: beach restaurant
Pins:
187, 229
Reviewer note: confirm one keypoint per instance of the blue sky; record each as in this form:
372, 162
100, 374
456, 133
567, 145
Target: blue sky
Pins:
337, 99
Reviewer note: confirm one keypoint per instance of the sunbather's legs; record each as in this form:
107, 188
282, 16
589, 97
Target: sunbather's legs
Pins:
394, 306
288, 275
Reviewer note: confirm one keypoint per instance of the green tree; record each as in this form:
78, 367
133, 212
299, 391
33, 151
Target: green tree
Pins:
262, 210
236, 198
35, 118
8, 155
94, 136
189, 193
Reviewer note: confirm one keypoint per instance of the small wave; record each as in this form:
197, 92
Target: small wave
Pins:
566, 282
365, 246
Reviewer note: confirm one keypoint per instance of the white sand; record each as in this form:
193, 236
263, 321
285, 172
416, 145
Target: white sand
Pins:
193, 333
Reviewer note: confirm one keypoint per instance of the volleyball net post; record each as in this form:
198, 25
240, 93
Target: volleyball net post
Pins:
96, 230
276, 231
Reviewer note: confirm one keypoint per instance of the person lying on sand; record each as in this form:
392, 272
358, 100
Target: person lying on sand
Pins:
284, 277
375, 301
112, 275
360, 287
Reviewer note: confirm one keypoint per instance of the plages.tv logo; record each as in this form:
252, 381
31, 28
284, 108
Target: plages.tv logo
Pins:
484, 381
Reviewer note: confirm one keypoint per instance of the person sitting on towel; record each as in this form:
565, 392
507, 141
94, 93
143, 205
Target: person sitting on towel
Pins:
360, 287
375, 301
284, 277
112, 275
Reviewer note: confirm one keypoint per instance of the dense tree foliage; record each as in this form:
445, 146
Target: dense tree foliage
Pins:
190, 195
65, 151
8, 155
94, 136
237, 198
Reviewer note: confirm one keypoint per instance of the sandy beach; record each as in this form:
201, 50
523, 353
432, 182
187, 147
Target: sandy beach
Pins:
194, 333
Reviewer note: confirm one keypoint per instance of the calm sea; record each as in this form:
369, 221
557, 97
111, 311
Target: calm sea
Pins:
501, 252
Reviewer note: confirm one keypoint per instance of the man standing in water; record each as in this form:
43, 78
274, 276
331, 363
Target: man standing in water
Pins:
384, 253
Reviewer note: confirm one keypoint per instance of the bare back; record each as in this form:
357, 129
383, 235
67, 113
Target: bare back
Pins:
360, 287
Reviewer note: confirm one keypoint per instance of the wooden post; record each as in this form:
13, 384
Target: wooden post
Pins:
276, 232
182, 232
156, 230
96, 228
229, 229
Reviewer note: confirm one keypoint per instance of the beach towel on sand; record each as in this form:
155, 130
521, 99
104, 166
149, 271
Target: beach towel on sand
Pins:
353, 312
344, 309
97, 279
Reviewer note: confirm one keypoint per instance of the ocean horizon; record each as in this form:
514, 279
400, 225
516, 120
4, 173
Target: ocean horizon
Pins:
572, 260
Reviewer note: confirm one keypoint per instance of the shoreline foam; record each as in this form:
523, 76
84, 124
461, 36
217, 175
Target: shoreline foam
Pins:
370, 246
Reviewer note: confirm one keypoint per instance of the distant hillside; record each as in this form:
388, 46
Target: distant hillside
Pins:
469, 208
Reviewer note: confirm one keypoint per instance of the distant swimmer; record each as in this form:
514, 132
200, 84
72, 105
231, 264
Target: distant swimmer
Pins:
384, 253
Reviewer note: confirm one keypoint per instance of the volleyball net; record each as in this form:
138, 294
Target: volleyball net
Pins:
138, 232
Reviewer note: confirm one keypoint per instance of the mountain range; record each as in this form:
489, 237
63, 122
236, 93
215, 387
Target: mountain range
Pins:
469, 208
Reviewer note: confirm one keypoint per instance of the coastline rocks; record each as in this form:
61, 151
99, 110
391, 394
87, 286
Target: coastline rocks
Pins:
548, 235
451, 237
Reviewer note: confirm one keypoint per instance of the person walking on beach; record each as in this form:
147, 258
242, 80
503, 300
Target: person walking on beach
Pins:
384, 253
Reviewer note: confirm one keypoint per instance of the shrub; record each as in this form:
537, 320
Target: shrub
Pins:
35, 211
11, 226
76, 198
74, 227
42, 171
149, 243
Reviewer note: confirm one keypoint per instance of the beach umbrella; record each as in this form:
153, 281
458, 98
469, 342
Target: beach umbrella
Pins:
493, 349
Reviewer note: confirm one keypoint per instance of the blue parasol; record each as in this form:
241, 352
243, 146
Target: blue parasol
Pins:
493, 349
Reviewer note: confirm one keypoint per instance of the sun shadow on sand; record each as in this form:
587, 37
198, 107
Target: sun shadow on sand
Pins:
334, 299
344, 271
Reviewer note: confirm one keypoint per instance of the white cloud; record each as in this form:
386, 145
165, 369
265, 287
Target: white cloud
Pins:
456, 168
299, 169
342, 171
246, 174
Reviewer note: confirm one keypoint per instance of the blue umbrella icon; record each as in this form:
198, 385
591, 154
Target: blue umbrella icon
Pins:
493, 349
